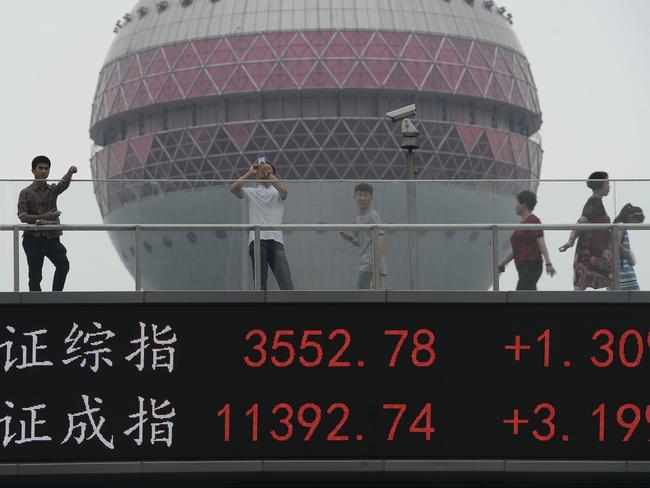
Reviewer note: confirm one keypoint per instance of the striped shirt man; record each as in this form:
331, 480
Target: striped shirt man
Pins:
40, 198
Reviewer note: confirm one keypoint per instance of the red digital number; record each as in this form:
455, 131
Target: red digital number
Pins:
286, 421
259, 347
279, 344
309, 424
545, 337
639, 348
254, 412
402, 334
600, 413
630, 426
425, 347
225, 412
607, 348
334, 435
548, 421
423, 341
423, 417
633, 336
307, 344
334, 362
285, 351
621, 420
401, 409
309, 416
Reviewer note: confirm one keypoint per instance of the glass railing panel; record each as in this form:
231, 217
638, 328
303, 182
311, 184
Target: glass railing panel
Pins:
438, 260
191, 259
324, 257
194, 260
456, 202
119, 201
457, 260
321, 260
9, 191
6, 261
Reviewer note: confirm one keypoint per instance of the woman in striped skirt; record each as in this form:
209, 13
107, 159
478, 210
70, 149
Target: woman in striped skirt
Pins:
629, 215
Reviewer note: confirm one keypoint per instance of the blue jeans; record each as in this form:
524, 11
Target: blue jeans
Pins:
272, 254
364, 280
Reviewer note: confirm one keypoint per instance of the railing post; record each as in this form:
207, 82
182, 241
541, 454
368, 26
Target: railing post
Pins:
137, 239
257, 261
616, 258
16, 259
495, 258
376, 271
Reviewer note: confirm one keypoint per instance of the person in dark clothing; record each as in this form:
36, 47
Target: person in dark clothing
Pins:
37, 205
592, 261
528, 246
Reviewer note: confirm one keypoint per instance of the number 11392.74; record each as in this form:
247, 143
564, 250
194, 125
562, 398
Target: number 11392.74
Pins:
308, 422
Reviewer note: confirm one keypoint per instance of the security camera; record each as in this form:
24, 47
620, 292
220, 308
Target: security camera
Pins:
408, 129
401, 113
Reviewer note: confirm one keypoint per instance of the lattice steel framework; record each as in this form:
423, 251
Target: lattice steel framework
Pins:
335, 59
309, 149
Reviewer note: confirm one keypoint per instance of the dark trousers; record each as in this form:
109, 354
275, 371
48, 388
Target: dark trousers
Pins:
529, 274
272, 254
36, 250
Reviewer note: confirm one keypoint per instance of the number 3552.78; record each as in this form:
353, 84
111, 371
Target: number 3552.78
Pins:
314, 348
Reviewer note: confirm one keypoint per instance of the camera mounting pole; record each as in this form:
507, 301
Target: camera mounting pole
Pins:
410, 133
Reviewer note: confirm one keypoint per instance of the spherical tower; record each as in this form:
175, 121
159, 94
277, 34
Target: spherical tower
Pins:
193, 90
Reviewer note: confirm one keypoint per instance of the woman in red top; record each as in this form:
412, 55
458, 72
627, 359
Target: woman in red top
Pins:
592, 261
528, 246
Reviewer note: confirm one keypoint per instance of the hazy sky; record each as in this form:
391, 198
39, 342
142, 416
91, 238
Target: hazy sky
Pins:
589, 58
590, 62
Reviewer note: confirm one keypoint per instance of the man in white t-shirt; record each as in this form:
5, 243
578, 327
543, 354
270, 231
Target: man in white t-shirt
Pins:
266, 207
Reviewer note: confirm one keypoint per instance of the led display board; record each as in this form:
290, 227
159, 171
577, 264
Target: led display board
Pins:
324, 381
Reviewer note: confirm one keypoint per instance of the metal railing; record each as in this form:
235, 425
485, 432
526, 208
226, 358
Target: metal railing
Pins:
615, 231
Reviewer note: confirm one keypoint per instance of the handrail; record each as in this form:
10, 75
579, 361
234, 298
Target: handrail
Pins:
325, 227
137, 229
370, 180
